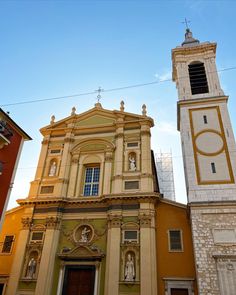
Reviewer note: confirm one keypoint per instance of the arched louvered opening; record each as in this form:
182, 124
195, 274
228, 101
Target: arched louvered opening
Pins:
198, 78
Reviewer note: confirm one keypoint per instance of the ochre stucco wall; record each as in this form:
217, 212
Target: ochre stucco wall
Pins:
173, 264
11, 226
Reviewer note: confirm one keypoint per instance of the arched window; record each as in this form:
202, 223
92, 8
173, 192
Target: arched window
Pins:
198, 78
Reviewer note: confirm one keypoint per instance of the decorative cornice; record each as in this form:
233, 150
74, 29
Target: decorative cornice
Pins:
104, 199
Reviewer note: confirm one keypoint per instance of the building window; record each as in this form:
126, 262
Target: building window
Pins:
131, 185
91, 182
37, 237
213, 168
47, 189
175, 240
130, 236
7, 244
205, 119
198, 78
132, 144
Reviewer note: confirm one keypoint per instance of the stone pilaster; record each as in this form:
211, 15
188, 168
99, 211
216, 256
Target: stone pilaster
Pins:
118, 165
107, 173
45, 275
113, 255
73, 176
18, 261
146, 168
65, 165
148, 269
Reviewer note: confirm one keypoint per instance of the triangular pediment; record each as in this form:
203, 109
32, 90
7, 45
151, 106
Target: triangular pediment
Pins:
96, 116
95, 120
82, 252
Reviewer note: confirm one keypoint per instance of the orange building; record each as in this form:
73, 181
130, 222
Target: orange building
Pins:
11, 142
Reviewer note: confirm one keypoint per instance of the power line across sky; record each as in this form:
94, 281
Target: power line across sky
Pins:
99, 90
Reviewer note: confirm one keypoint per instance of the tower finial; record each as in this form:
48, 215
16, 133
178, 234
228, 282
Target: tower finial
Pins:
99, 93
189, 40
98, 104
122, 106
186, 23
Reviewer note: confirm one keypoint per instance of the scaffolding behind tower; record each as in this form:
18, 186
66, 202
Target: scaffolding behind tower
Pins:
165, 175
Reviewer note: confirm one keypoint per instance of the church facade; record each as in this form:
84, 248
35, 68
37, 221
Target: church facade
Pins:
95, 222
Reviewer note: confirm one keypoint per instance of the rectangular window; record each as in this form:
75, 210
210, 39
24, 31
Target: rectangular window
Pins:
7, 244
91, 182
213, 168
37, 236
131, 184
55, 151
132, 144
131, 236
46, 189
175, 240
198, 78
205, 119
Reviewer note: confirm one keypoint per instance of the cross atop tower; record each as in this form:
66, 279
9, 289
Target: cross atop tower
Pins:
186, 22
99, 90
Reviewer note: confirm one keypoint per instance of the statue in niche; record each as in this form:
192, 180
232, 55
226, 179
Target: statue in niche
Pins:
53, 169
84, 235
129, 269
132, 164
31, 268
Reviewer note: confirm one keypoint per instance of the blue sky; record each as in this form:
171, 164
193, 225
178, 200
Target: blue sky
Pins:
59, 48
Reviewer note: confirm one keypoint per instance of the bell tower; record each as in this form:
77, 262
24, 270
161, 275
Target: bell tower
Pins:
209, 155
208, 144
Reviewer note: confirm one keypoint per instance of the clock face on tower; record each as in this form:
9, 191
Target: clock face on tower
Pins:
211, 156
209, 142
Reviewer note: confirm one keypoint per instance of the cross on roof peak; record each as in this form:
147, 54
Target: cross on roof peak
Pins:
99, 90
186, 22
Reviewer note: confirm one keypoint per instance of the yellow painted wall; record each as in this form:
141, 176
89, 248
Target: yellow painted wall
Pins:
11, 226
173, 264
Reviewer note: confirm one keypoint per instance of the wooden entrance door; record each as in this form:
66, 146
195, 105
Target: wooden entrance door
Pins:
179, 291
79, 280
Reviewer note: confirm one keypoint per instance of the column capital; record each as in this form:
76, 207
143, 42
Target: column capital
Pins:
114, 221
26, 222
53, 222
145, 218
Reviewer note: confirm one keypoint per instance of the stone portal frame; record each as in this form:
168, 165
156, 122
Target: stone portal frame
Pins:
63, 266
179, 283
